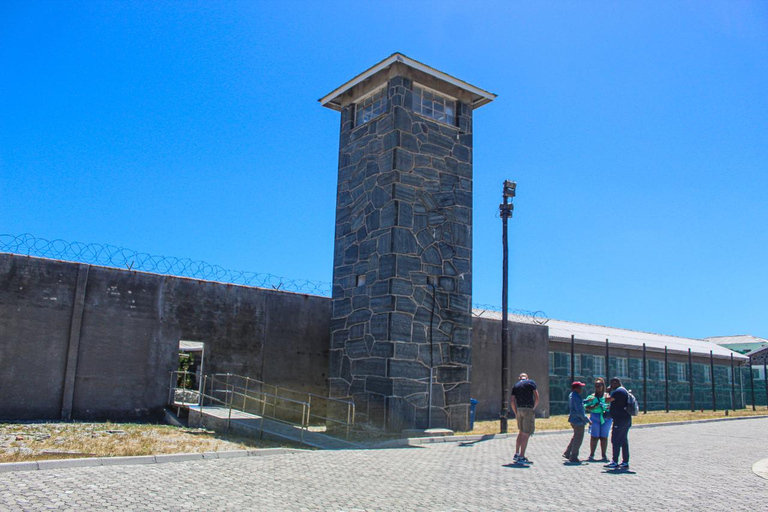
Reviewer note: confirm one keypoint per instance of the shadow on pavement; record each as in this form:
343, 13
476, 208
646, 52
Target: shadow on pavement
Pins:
514, 465
485, 437
618, 472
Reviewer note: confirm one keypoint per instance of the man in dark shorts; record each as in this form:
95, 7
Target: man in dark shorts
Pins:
524, 400
622, 420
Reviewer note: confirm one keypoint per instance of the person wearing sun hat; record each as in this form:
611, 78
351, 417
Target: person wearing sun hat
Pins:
578, 419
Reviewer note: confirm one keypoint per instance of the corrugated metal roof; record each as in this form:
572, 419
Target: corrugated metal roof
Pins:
736, 339
623, 337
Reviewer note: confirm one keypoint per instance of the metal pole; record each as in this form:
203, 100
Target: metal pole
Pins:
573, 358
712, 375
733, 385
505, 210
170, 389
690, 380
607, 356
645, 381
752, 383
666, 377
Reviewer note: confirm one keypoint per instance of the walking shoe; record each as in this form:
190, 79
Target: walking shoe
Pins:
612, 465
566, 456
575, 461
604, 459
591, 459
523, 460
624, 465
517, 456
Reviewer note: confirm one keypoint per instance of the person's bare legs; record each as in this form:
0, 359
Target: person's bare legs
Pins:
517, 445
522, 439
604, 446
593, 446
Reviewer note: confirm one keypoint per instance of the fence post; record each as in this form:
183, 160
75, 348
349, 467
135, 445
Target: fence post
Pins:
733, 386
245, 395
170, 390
666, 377
690, 381
573, 360
645, 382
607, 364
752, 383
712, 375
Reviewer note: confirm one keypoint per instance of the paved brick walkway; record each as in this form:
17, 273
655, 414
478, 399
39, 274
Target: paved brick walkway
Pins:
693, 467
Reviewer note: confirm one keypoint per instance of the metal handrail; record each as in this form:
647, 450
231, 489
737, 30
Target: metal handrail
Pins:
243, 388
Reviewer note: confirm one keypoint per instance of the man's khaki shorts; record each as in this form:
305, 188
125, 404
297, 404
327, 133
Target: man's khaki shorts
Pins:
526, 421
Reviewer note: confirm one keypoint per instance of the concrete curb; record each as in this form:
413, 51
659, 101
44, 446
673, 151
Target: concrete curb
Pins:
143, 459
760, 468
418, 441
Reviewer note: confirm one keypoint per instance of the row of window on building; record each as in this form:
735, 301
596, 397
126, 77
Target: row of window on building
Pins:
426, 102
586, 365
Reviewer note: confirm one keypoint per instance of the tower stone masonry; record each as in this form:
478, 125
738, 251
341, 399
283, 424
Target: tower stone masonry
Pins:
402, 276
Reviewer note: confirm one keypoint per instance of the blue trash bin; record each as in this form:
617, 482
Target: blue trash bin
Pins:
472, 406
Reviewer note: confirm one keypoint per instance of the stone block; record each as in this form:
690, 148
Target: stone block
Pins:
407, 387
405, 305
407, 264
404, 214
387, 266
361, 315
452, 374
389, 215
407, 369
357, 349
401, 287
383, 304
369, 366
400, 326
458, 395
403, 241
384, 349
380, 326
403, 160
379, 385
460, 355
403, 192
406, 350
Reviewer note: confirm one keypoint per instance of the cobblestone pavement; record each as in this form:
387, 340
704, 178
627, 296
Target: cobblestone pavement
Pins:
692, 467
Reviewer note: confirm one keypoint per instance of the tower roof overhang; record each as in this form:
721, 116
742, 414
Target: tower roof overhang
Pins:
477, 97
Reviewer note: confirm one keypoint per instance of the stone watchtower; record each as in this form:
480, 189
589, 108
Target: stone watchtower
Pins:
402, 272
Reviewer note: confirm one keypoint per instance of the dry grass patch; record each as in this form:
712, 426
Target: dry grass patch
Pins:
561, 422
41, 441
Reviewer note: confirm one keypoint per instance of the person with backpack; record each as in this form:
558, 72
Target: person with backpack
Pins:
622, 420
601, 420
578, 419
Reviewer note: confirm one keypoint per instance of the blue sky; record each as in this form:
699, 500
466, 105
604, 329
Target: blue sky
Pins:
637, 133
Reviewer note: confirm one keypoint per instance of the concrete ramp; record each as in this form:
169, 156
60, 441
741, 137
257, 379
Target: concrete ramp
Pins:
252, 425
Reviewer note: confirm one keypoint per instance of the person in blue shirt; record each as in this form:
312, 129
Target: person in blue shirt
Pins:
578, 419
622, 420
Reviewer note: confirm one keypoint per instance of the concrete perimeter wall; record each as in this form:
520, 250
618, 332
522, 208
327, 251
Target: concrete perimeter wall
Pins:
91, 342
99, 343
529, 347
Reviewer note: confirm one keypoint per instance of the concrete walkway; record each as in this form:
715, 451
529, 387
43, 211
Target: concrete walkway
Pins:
702, 467
252, 425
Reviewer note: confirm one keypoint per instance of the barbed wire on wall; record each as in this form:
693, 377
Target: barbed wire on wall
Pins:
520, 315
128, 259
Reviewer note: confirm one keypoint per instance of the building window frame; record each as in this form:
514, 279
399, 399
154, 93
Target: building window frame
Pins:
432, 104
370, 106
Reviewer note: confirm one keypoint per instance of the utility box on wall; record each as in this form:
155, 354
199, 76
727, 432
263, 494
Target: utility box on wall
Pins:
402, 277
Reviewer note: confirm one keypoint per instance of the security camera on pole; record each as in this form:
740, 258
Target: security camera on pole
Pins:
505, 210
